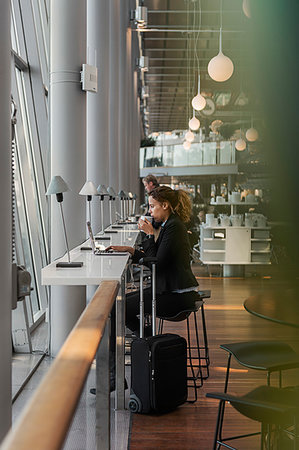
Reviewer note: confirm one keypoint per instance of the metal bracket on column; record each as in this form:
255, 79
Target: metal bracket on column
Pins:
89, 78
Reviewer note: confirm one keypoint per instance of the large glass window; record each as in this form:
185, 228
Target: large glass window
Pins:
29, 88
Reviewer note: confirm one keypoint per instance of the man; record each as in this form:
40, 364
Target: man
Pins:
150, 182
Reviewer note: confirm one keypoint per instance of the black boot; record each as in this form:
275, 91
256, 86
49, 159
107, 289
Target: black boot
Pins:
112, 386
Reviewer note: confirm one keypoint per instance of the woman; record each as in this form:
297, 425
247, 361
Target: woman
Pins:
176, 284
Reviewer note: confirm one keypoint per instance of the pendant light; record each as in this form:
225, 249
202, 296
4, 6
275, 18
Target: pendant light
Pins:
240, 144
198, 102
221, 67
189, 136
194, 123
246, 8
187, 145
252, 134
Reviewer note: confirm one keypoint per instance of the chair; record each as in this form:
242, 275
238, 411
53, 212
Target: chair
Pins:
269, 406
194, 351
268, 356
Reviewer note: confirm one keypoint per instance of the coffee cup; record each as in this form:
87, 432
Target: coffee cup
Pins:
147, 218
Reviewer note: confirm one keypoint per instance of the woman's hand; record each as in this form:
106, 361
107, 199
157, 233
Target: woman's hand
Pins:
121, 248
145, 226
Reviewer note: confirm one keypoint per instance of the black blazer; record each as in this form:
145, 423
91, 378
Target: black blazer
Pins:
172, 249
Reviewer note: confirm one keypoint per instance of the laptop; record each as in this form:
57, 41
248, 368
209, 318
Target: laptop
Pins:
100, 249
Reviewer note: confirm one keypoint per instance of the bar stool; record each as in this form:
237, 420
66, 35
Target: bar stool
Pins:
195, 358
267, 405
268, 356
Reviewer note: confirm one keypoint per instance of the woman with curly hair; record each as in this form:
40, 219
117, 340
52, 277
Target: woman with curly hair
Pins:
176, 284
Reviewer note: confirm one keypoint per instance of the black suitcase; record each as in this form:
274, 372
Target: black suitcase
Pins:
158, 364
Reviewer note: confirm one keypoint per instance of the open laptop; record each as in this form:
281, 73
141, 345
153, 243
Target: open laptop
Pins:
100, 249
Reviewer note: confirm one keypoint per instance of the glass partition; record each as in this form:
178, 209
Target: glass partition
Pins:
199, 154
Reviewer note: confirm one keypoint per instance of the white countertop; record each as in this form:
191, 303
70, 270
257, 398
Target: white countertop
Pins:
96, 268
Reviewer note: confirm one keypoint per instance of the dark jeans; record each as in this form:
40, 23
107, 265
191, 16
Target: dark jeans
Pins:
168, 305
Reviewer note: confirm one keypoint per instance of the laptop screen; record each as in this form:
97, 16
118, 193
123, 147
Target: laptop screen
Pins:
92, 241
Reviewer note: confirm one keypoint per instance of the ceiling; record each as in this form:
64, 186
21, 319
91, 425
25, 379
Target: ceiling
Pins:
180, 39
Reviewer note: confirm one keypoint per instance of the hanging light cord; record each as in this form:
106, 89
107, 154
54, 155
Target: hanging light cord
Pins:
196, 42
188, 63
220, 34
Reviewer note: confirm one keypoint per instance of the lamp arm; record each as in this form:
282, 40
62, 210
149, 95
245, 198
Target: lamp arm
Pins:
65, 235
102, 215
89, 208
110, 210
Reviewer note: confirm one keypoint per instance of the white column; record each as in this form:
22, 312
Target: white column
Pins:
5, 222
135, 131
114, 21
135, 124
68, 150
124, 179
98, 103
129, 87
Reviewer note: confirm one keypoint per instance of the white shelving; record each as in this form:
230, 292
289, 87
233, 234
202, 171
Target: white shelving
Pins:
233, 205
239, 246
214, 251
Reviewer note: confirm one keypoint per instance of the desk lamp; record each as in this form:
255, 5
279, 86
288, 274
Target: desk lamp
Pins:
122, 195
126, 206
130, 196
112, 195
102, 192
58, 186
134, 204
89, 190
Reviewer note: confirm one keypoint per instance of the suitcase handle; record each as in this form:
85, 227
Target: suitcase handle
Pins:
141, 304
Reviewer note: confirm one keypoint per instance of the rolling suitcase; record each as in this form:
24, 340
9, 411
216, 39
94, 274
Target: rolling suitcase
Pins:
158, 364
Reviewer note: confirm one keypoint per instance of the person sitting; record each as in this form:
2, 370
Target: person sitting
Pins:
150, 182
175, 284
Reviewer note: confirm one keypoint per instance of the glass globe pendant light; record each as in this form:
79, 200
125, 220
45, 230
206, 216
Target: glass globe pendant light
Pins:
252, 135
194, 123
198, 102
246, 8
189, 136
221, 67
240, 144
187, 145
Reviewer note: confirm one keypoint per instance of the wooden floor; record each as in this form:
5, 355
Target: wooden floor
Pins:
192, 426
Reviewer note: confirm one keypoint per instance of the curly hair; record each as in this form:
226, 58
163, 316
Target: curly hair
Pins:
178, 200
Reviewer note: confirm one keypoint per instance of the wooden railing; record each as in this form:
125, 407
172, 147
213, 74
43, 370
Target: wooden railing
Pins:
44, 423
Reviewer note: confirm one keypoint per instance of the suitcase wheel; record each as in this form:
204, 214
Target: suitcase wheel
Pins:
135, 404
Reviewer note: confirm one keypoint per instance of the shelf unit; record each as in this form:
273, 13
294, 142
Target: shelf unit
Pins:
233, 205
238, 246
235, 247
